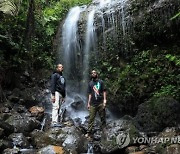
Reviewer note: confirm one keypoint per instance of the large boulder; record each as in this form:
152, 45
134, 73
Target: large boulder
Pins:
37, 112
50, 149
70, 138
6, 128
158, 113
23, 123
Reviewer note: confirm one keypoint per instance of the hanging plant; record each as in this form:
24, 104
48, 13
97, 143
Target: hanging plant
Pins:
10, 7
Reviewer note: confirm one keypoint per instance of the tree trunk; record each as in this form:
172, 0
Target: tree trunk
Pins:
29, 33
1, 80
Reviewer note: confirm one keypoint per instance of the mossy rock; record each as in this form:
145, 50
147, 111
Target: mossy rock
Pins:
158, 113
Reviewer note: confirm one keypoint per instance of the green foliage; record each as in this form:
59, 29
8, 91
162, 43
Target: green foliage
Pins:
174, 58
56, 11
149, 74
168, 90
48, 14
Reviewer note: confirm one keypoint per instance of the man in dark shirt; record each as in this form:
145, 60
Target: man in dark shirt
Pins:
96, 101
58, 93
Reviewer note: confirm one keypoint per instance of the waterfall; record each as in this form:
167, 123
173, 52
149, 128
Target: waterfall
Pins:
71, 46
90, 44
73, 64
116, 21
104, 2
78, 46
123, 23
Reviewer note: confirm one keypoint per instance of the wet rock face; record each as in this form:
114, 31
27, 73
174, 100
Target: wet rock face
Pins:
125, 27
153, 24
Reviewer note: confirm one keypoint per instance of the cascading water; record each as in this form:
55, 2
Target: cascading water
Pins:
77, 47
104, 2
90, 44
116, 23
71, 46
73, 63
76, 51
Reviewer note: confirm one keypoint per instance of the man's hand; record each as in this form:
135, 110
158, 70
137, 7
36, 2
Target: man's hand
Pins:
104, 103
53, 98
63, 99
88, 106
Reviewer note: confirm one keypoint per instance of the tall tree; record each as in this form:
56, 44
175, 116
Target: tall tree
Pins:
30, 25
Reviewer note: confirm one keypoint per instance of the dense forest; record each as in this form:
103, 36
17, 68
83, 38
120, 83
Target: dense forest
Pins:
141, 70
28, 29
28, 34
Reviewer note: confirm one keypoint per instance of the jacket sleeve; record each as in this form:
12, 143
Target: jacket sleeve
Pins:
65, 88
64, 93
89, 88
53, 84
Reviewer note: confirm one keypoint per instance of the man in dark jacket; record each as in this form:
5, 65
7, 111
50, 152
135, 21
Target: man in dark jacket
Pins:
58, 93
96, 101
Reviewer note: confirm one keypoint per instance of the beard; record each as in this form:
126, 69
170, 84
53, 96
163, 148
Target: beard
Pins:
94, 77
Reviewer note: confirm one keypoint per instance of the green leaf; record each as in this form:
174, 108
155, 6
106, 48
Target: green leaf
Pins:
177, 15
49, 31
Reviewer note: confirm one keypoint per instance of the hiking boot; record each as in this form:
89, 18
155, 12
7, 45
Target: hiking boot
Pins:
56, 125
88, 135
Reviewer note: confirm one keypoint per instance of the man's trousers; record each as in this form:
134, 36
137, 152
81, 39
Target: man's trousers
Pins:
101, 111
56, 107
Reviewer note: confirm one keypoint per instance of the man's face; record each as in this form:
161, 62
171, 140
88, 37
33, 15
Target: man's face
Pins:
60, 68
94, 74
